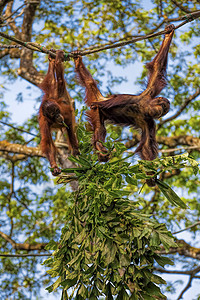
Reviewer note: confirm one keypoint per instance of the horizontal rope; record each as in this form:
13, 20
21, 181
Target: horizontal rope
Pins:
37, 47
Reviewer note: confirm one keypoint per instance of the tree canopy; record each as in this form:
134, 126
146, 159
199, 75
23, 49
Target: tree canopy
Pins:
111, 235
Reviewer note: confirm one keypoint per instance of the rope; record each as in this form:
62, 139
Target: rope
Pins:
37, 47
9, 46
29, 45
188, 18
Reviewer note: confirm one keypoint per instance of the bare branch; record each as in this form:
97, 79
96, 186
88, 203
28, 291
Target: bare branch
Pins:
3, 4
181, 7
172, 141
7, 238
17, 128
14, 12
160, 270
193, 272
186, 288
3, 53
20, 149
23, 246
181, 109
13, 158
186, 228
12, 25
190, 272
183, 249
179, 149
24, 255
26, 69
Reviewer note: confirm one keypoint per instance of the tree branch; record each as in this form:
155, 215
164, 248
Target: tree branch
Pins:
12, 25
181, 7
20, 149
3, 4
24, 255
13, 158
179, 149
14, 12
186, 228
182, 107
17, 128
26, 69
174, 141
3, 53
171, 142
186, 288
183, 249
62, 154
190, 272
22, 246
193, 272
160, 270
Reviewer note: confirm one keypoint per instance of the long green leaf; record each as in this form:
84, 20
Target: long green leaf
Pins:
170, 194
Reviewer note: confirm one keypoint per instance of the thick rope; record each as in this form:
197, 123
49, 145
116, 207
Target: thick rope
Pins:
37, 47
9, 46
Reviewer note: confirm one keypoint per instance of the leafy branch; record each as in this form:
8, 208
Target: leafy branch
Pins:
108, 247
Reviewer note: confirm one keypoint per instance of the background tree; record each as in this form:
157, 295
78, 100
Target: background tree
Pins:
33, 210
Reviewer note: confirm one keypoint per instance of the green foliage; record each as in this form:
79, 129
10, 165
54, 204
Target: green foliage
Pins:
108, 247
170, 194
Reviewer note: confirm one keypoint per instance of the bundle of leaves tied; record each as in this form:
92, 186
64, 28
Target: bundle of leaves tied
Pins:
108, 247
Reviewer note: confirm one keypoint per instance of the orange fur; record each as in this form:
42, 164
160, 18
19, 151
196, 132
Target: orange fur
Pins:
56, 111
138, 111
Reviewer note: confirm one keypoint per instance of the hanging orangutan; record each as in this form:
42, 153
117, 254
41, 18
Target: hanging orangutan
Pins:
138, 111
56, 111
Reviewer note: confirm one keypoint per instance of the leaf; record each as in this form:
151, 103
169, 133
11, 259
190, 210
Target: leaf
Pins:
163, 260
194, 164
108, 292
109, 182
134, 169
141, 176
155, 240
115, 194
167, 241
69, 282
85, 162
54, 286
157, 279
77, 257
131, 180
136, 232
80, 161
122, 294
170, 194
52, 245
66, 236
154, 290
83, 291
72, 170
110, 256
125, 260
79, 238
